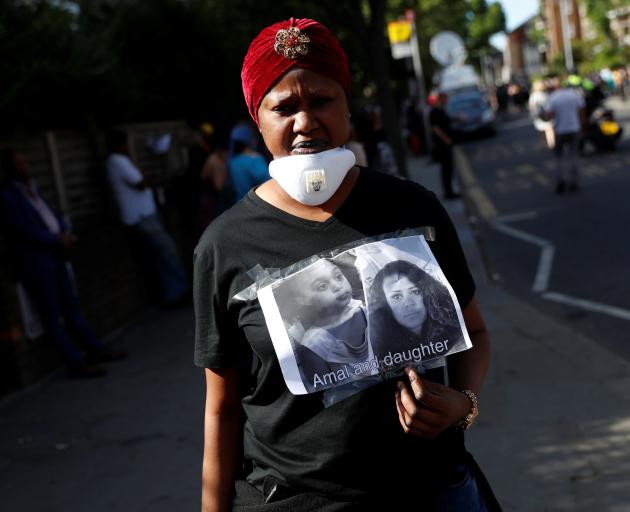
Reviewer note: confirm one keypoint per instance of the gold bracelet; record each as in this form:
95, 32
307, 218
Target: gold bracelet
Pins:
468, 420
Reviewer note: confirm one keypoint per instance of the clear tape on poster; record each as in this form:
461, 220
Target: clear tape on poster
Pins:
265, 276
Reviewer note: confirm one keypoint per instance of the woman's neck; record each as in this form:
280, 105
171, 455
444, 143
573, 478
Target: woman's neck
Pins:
275, 195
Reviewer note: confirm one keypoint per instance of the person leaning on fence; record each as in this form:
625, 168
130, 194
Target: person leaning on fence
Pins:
39, 243
139, 212
398, 444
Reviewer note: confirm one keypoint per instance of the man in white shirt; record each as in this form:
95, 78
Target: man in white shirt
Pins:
138, 211
566, 108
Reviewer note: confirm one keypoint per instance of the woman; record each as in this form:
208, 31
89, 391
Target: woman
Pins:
537, 104
408, 305
391, 445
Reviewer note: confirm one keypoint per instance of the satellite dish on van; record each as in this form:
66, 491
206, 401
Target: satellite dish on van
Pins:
447, 48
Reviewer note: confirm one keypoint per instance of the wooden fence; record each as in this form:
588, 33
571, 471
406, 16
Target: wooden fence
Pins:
69, 169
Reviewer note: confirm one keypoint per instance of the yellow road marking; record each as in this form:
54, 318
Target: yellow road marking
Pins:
484, 205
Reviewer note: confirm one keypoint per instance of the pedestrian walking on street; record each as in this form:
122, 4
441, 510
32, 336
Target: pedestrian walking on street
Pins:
397, 444
566, 109
138, 211
39, 243
537, 105
443, 143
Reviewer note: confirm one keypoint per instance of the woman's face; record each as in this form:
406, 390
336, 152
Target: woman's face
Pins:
304, 112
405, 301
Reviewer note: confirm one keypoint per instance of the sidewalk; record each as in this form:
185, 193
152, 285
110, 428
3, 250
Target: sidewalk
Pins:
553, 433
130, 442
554, 428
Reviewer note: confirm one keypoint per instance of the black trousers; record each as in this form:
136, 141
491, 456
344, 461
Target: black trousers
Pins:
444, 155
277, 496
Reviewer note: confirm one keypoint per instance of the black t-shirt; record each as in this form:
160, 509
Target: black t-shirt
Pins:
355, 448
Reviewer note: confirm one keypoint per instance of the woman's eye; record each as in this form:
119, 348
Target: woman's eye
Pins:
322, 287
395, 296
282, 109
415, 291
319, 102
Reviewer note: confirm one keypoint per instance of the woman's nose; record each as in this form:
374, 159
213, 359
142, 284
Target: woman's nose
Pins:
304, 122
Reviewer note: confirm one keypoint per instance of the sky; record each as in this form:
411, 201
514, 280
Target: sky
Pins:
516, 12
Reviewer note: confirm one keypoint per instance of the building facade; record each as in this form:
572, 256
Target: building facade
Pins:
524, 54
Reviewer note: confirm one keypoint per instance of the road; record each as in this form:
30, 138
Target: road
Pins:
568, 255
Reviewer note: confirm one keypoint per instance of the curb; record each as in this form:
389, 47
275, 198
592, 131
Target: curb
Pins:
583, 353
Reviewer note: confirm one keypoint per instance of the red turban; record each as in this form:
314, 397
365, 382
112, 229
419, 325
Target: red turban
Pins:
296, 43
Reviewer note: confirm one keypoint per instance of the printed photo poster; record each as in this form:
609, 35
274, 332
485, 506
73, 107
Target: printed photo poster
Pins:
353, 318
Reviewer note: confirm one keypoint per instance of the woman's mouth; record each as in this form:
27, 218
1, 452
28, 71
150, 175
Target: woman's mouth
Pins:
306, 147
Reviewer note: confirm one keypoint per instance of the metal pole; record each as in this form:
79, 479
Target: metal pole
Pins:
422, 93
566, 36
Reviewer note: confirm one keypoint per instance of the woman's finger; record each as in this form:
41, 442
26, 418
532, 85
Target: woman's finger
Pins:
402, 416
429, 394
415, 426
408, 401
416, 383
408, 422
414, 413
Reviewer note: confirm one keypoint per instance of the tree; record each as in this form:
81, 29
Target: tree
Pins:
68, 62
474, 20
597, 10
485, 21
37, 56
604, 50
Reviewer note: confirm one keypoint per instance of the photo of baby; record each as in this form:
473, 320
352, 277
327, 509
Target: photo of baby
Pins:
325, 319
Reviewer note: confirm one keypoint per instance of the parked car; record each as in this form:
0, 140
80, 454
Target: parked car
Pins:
471, 114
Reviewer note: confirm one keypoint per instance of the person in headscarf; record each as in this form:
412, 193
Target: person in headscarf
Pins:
394, 445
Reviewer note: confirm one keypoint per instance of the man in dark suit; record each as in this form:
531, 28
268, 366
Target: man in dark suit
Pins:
39, 242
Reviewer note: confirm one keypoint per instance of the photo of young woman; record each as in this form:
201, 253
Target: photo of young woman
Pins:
409, 309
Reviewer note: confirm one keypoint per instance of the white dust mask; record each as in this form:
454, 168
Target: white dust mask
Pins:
312, 179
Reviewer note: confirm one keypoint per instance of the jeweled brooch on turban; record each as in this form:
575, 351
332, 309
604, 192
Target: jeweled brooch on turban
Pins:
291, 43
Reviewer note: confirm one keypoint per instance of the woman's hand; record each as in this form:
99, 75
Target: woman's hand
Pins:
426, 408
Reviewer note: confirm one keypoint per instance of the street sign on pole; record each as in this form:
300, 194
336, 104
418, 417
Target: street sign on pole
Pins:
422, 94
399, 31
404, 43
